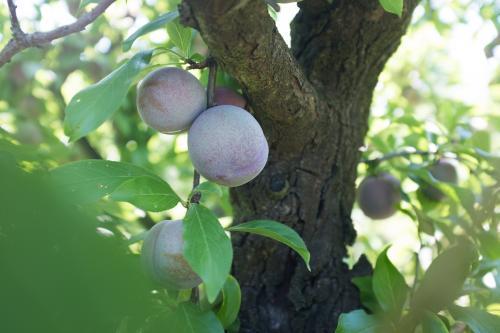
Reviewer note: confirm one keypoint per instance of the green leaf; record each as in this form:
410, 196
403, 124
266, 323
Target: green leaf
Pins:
465, 197
181, 36
432, 324
61, 254
409, 120
357, 321
90, 180
481, 140
279, 232
207, 248
89, 108
156, 24
426, 223
389, 286
443, 280
392, 6
479, 321
493, 159
187, 318
458, 194
365, 286
148, 193
490, 244
231, 301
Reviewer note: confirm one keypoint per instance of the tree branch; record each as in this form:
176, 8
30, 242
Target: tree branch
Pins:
343, 46
243, 39
404, 153
17, 32
488, 49
21, 41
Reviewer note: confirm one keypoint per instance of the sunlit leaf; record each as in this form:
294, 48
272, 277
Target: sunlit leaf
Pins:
90, 180
148, 193
153, 25
481, 140
89, 108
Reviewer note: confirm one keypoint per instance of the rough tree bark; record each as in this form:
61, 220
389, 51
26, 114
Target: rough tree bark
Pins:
313, 103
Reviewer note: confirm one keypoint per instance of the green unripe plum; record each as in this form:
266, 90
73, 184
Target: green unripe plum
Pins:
163, 259
444, 171
169, 99
227, 96
379, 196
227, 145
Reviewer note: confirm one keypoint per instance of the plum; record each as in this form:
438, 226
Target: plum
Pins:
444, 171
163, 259
379, 196
169, 99
227, 145
227, 96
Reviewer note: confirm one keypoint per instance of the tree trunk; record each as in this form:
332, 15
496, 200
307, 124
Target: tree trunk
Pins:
313, 103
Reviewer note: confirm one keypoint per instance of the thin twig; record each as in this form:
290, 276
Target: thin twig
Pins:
417, 270
212, 78
17, 32
21, 41
397, 154
488, 49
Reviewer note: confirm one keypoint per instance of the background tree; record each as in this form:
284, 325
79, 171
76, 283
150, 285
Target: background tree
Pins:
313, 102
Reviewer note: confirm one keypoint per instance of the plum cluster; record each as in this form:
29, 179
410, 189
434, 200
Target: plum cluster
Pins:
379, 195
226, 144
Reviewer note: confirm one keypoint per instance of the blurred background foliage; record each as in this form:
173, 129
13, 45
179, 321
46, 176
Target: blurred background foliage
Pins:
440, 93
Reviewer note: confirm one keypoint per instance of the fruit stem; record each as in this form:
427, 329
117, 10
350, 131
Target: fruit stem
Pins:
212, 78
